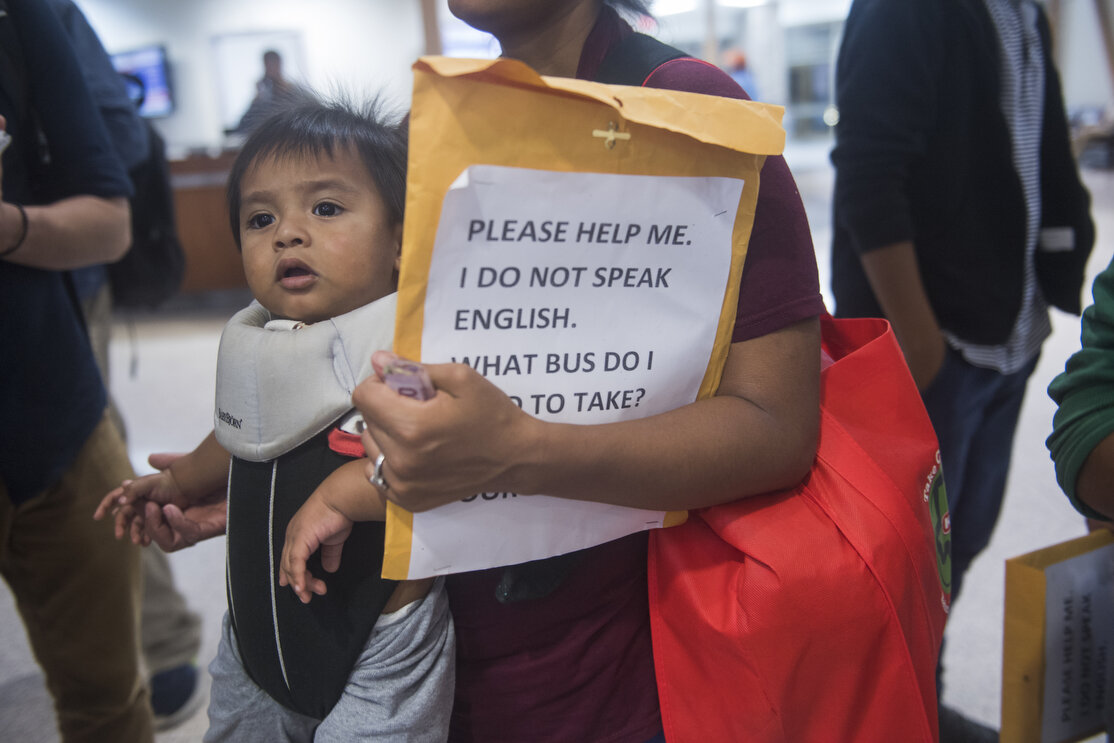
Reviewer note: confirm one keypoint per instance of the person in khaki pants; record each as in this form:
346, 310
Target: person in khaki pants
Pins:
62, 206
68, 575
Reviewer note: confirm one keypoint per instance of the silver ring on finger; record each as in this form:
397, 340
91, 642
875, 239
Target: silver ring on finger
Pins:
377, 476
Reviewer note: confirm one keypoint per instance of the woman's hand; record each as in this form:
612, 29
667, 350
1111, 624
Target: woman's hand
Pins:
757, 434
468, 438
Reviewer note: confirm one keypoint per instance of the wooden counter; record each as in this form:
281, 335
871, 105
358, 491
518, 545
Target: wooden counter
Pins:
212, 260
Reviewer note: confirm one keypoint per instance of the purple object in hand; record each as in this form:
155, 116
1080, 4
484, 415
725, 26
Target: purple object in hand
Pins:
409, 379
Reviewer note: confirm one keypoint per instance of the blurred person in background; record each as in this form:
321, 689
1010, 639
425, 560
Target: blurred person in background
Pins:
271, 91
735, 62
959, 216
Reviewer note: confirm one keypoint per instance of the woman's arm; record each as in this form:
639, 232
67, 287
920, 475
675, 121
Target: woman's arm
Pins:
759, 433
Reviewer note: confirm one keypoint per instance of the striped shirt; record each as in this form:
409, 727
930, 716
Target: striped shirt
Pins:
1021, 69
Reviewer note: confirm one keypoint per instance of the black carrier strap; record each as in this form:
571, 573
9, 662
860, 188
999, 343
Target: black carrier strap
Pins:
634, 59
320, 641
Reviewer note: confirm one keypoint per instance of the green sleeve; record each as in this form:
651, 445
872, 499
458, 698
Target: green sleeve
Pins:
1084, 392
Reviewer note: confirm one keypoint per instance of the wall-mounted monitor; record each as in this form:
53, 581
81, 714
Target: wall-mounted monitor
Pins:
146, 73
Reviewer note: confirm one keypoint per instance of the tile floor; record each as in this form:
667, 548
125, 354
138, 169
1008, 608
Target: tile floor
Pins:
162, 379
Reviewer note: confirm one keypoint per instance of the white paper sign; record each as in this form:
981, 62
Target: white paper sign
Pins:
1079, 645
588, 298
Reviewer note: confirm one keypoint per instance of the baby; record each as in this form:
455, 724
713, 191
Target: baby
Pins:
315, 202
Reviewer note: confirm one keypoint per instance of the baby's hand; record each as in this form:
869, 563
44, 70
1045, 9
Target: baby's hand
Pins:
127, 503
316, 524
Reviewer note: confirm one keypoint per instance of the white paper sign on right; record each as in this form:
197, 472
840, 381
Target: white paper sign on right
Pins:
1079, 646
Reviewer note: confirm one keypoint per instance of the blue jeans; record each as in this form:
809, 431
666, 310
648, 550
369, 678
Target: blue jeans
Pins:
974, 412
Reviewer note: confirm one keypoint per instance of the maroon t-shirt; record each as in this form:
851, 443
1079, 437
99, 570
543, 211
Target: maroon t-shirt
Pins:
780, 284
577, 665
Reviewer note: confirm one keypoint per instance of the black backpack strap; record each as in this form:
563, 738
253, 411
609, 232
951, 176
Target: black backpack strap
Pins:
634, 59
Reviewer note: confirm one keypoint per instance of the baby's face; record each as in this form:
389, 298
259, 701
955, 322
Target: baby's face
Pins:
317, 239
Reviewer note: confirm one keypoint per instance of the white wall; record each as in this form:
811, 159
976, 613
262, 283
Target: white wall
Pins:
368, 45
362, 46
1079, 52
807, 12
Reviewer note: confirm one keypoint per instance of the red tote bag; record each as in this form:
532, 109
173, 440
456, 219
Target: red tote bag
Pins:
816, 613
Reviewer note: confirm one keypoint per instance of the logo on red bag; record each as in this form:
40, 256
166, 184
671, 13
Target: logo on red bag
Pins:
936, 496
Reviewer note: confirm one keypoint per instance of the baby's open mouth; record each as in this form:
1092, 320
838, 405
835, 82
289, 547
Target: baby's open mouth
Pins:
293, 274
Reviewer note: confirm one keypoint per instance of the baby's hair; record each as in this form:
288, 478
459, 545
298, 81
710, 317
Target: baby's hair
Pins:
307, 125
